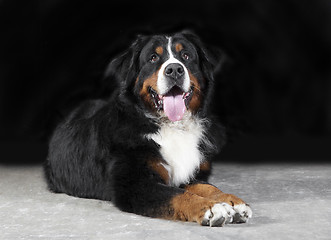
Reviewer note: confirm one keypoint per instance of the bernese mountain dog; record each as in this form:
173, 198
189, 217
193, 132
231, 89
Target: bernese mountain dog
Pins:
147, 147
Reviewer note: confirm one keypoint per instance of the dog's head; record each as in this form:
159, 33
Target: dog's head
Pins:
168, 75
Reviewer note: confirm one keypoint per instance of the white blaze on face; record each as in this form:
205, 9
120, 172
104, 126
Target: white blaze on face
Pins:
162, 84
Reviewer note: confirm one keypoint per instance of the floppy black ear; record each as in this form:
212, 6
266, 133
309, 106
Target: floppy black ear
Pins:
210, 60
116, 68
122, 70
211, 57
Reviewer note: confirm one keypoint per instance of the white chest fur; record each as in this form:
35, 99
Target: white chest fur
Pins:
179, 146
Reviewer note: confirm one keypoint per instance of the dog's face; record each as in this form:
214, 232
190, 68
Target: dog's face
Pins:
170, 75
169, 79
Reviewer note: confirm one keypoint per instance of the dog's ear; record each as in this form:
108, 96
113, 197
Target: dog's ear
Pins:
211, 57
121, 71
116, 68
211, 60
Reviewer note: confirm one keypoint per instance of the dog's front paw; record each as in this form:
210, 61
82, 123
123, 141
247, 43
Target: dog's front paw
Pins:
218, 215
243, 213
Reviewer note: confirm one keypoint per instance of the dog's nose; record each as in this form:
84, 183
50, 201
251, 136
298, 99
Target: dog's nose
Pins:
174, 70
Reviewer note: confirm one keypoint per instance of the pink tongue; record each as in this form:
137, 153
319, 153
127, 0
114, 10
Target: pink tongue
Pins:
174, 106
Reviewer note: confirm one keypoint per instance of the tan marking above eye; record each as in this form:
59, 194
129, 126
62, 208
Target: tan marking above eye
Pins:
159, 50
179, 47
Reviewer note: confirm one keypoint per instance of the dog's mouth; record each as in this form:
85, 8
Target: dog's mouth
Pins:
174, 103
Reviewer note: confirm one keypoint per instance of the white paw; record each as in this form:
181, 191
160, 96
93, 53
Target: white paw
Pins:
243, 213
218, 215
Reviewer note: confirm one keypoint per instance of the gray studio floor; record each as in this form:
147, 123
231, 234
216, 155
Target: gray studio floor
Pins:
288, 202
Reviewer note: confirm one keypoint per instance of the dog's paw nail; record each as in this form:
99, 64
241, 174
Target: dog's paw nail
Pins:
243, 213
218, 215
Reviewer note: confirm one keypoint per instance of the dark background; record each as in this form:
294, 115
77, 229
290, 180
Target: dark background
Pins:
274, 93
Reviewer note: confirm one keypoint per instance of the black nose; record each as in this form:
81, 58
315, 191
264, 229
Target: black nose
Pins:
174, 70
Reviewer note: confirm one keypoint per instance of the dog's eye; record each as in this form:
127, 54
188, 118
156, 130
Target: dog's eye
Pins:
185, 56
154, 58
